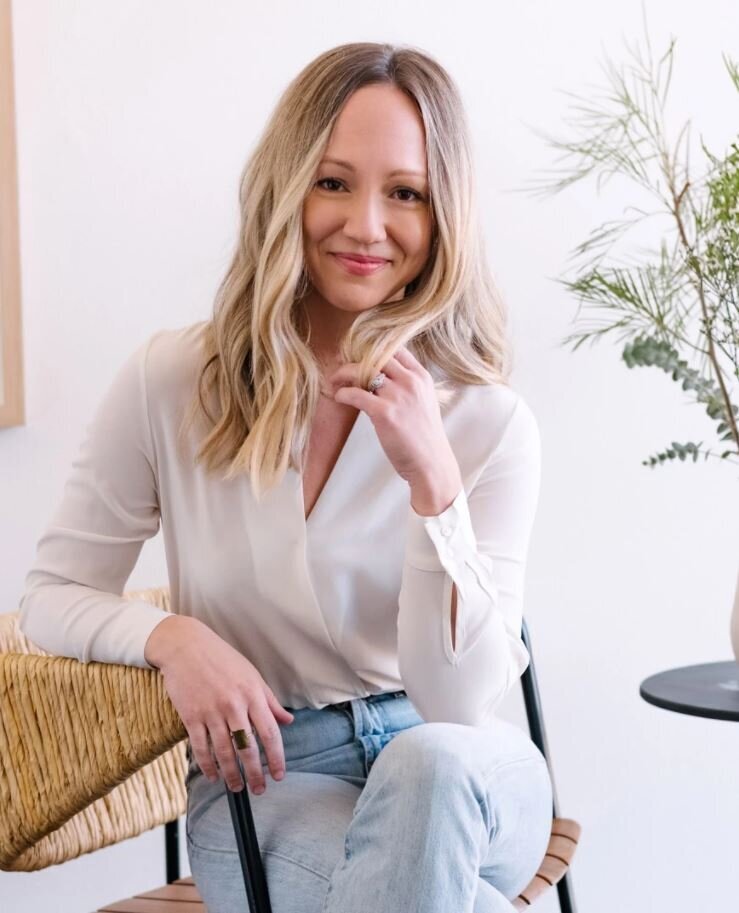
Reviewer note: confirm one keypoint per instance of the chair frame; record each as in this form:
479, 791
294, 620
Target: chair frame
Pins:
246, 839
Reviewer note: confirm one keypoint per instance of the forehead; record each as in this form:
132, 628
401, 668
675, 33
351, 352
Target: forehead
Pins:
379, 128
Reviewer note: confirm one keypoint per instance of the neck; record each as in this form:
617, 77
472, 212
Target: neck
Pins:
326, 327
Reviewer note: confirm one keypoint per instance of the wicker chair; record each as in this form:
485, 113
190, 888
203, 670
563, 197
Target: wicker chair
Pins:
94, 753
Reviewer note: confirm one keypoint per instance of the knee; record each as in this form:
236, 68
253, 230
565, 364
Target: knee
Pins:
428, 753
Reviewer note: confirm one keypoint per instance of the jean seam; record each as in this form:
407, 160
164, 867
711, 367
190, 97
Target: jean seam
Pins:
490, 773
525, 760
297, 862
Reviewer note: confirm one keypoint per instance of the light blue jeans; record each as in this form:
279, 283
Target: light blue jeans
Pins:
380, 812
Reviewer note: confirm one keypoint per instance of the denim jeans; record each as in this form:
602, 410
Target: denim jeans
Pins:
380, 812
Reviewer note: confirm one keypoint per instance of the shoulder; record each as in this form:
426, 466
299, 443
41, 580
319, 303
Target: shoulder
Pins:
497, 411
488, 422
171, 361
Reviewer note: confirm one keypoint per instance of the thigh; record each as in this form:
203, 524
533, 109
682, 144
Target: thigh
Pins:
520, 791
301, 824
507, 773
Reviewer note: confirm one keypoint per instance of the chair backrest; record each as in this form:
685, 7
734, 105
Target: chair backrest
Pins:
61, 691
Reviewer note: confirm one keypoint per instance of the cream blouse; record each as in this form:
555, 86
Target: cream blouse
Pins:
354, 601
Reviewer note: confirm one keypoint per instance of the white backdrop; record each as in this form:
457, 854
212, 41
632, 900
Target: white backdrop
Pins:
134, 120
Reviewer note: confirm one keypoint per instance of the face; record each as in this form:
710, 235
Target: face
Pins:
362, 207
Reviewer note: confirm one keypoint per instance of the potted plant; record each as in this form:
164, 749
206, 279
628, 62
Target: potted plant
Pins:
677, 310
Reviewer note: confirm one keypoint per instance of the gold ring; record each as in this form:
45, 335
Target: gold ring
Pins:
241, 738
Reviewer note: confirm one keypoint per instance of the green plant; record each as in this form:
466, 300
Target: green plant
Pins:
682, 305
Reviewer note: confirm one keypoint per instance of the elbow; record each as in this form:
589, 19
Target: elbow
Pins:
35, 623
25, 613
30, 621
456, 696
468, 694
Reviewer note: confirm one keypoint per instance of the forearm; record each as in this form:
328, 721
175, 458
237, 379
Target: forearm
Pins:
432, 496
433, 493
168, 638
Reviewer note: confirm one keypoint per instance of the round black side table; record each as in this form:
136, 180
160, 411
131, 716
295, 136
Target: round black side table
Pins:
709, 690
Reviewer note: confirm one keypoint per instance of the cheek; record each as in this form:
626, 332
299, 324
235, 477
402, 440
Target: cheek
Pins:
317, 221
418, 246
418, 235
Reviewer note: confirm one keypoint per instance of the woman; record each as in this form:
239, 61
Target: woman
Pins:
346, 563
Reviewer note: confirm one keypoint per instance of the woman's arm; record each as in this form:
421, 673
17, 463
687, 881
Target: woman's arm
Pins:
72, 603
475, 549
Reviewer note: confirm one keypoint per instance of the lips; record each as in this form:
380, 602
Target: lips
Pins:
360, 267
359, 258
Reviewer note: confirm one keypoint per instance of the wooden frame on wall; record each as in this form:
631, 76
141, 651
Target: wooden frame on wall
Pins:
11, 348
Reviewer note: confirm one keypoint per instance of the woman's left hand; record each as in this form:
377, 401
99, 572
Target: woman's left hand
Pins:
406, 416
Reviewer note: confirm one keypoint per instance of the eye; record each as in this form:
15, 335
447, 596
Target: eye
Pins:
416, 194
327, 180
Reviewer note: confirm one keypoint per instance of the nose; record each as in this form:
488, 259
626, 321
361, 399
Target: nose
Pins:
365, 221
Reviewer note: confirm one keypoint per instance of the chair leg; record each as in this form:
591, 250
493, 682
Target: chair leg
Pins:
255, 881
535, 718
565, 895
172, 850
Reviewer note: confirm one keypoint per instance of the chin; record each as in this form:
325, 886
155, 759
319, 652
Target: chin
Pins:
356, 301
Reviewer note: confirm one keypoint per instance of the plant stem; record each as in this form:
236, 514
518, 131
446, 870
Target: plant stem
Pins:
695, 267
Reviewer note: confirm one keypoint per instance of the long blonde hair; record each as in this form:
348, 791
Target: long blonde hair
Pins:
256, 365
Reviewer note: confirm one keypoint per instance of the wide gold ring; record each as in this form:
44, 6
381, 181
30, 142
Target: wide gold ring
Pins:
241, 738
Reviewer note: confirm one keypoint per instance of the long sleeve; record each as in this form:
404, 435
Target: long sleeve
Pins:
72, 603
480, 543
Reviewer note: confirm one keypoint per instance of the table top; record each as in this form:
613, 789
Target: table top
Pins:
708, 690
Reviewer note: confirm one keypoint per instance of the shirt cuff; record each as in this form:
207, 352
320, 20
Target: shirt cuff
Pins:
440, 542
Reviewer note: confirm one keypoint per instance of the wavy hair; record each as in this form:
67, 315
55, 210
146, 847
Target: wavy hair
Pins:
257, 368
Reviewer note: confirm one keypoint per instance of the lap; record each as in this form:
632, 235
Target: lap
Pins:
302, 821
510, 777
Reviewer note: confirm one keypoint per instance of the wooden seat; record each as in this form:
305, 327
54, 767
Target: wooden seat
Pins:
179, 897
182, 895
562, 846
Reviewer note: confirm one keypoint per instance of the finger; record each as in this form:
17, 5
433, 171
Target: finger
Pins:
408, 359
270, 737
202, 753
225, 752
360, 399
347, 374
395, 370
282, 715
248, 756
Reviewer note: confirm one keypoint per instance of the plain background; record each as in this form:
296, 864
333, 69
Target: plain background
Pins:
134, 120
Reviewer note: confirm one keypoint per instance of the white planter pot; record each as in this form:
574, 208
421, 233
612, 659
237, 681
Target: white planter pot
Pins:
735, 621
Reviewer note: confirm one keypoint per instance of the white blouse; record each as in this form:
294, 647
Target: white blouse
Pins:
354, 601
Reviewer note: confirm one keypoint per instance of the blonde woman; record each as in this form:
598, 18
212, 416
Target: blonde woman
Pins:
346, 484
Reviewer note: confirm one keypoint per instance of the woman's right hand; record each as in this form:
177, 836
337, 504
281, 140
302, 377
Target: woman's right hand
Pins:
216, 690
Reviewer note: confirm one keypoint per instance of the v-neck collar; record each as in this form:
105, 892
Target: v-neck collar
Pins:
346, 463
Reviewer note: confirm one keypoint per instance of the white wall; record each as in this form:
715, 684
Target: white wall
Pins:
134, 120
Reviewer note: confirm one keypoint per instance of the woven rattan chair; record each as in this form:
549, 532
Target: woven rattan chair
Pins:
94, 753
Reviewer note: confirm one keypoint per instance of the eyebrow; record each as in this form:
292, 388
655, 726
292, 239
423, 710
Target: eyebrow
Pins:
351, 167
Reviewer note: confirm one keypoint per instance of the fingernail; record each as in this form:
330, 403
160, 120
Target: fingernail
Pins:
279, 774
258, 790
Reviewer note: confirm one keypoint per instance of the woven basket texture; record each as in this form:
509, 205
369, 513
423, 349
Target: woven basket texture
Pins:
90, 753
